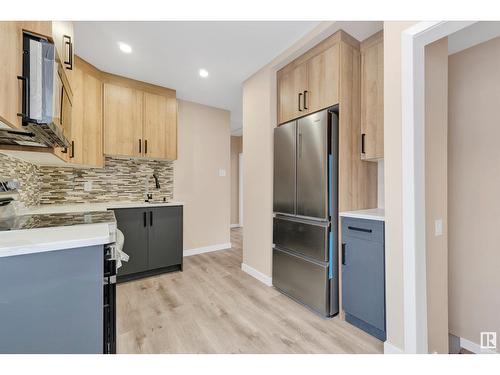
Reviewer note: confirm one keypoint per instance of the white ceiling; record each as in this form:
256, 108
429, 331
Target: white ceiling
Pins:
170, 53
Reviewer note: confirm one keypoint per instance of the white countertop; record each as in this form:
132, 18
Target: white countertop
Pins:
29, 241
89, 207
370, 214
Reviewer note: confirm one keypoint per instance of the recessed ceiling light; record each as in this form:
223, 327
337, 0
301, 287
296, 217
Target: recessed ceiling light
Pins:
203, 73
124, 47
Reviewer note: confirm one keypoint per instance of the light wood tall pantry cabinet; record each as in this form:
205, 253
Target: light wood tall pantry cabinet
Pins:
308, 86
372, 97
139, 123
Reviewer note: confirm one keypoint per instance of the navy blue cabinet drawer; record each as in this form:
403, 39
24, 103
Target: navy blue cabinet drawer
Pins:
370, 230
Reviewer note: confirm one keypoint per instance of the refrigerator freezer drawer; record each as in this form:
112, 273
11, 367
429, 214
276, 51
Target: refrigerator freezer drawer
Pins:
305, 281
307, 238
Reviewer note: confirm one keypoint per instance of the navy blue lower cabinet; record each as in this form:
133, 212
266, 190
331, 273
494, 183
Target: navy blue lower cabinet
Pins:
363, 275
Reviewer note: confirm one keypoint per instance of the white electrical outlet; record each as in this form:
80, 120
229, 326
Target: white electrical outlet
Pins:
222, 172
438, 227
87, 186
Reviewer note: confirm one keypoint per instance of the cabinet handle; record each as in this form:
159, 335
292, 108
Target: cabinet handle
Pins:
300, 94
67, 43
146, 146
144, 217
360, 229
140, 146
343, 254
25, 96
305, 99
72, 155
151, 218
363, 143
61, 106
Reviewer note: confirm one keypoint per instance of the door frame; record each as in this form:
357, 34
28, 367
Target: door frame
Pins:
240, 188
414, 40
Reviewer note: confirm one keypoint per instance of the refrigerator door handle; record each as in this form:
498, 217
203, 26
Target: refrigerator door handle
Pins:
300, 146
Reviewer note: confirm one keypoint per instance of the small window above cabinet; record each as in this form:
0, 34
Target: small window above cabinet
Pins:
372, 98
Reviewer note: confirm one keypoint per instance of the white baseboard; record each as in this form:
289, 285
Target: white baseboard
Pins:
474, 348
235, 226
257, 274
391, 349
207, 249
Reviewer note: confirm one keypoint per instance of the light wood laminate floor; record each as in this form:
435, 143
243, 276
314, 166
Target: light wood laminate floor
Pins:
214, 307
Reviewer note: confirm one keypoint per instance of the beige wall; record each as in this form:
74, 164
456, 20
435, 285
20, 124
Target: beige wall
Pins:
393, 182
203, 148
436, 137
474, 186
259, 119
236, 149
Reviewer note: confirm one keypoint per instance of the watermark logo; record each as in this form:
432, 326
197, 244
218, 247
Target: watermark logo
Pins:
489, 340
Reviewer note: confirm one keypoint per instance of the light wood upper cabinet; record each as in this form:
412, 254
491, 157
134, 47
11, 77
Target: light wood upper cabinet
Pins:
63, 37
322, 80
372, 98
66, 120
140, 119
155, 125
171, 151
309, 84
10, 69
160, 126
92, 145
123, 119
86, 130
291, 87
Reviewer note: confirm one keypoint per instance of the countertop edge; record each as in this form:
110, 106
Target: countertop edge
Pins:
375, 214
55, 238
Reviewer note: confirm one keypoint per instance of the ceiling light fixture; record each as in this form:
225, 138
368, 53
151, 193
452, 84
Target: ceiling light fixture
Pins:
203, 73
124, 47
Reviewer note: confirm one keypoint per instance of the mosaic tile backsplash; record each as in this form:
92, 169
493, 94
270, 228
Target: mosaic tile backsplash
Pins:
121, 179
28, 176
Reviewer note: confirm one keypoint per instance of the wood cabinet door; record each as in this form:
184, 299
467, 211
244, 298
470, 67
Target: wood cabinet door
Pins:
63, 37
291, 87
10, 67
66, 124
155, 125
372, 98
92, 127
322, 80
171, 142
86, 132
42, 28
77, 131
123, 121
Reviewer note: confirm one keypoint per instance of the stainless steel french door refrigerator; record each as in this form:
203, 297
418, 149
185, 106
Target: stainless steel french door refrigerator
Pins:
305, 260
